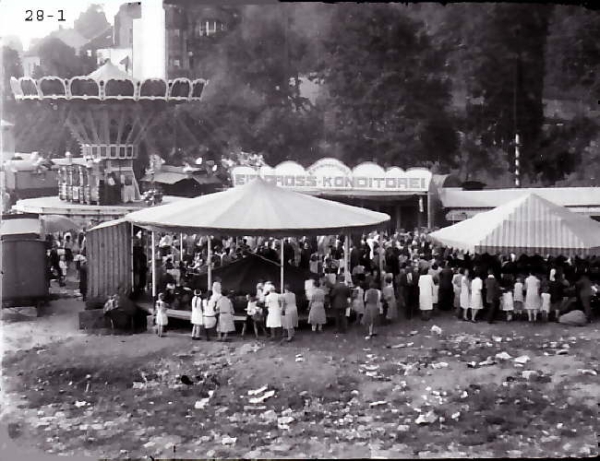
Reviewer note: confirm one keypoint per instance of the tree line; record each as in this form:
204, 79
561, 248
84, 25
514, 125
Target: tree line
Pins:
444, 87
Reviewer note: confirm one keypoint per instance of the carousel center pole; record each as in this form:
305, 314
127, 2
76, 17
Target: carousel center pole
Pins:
347, 275
153, 265
281, 275
209, 263
180, 246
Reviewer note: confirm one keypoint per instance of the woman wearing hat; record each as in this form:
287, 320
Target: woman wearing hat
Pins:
197, 315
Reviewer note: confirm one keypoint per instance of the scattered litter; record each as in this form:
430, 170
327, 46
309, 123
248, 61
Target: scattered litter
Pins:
201, 404
378, 403
409, 344
464, 395
262, 398
497, 339
229, 440
371, 367
403, 428
414, 332
437, 330
562, 352
503, 356
487, 362
439, 365
398, 346
587, 372
139, 385
530, 374
257, 391
269, 416
79, 404
285, 420
523, 359
299, 359
455, 416
427, 418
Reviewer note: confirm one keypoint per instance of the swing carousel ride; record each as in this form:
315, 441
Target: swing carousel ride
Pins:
108, 113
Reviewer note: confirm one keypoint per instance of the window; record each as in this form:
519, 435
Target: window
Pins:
210, 27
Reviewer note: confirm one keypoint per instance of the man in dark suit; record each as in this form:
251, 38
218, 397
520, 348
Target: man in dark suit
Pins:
446, 293
409, 285
492, 296
340, 301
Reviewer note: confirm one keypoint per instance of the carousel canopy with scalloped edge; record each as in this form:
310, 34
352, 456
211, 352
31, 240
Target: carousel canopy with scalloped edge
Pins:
107, 83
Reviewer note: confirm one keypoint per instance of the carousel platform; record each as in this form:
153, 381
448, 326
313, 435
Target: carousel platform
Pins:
85, 214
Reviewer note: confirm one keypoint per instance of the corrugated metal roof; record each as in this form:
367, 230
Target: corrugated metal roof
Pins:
564, 196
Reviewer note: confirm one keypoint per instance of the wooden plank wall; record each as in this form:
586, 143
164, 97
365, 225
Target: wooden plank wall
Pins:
109, 260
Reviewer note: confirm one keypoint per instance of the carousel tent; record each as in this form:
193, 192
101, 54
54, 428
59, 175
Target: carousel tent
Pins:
258, 208
526, 225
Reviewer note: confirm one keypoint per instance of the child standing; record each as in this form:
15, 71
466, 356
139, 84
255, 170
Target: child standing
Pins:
197, 315
532, 297
252, 310
546, 298
518, 297
209, 317
358, 302
160, 312
508, 303
289, 311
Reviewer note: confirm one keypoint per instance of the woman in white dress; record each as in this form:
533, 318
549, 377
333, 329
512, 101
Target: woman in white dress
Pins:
476, 297
274, 315
533, 301
426, 287
225, 324
358, 302
197, 315
316, 314
465, 292
290, 312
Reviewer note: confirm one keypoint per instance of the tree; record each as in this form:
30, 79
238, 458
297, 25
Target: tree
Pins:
508, 78
91, 22
252, 103
59, 59
386, 94
11, 67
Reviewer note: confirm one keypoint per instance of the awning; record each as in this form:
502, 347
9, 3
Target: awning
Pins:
168, 177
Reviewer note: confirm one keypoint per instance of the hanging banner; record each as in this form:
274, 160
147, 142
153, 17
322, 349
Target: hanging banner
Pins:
332, 175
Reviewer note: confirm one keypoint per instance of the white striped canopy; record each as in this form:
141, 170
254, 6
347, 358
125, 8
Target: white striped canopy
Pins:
527, 225
258, 208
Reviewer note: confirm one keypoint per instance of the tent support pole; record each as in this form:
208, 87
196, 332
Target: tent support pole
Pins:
153, 265
282, 263
347, 275
381, 256
181, 246
131, 261
209, 263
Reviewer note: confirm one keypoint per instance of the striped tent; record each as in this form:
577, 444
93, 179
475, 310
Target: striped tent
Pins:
526, 225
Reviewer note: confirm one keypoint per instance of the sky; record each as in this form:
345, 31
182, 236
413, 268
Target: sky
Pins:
13, 14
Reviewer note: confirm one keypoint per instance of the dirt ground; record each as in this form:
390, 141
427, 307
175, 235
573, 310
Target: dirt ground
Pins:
408, 393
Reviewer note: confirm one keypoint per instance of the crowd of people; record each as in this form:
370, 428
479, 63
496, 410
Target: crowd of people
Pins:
391, 276
67, 253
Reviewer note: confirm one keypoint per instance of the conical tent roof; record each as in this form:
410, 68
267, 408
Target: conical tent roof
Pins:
258, 208
527, 225
108, 71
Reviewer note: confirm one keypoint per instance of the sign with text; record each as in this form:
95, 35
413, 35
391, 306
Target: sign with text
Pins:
333, 175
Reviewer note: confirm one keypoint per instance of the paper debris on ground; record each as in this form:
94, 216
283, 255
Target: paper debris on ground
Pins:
262, 398
439, 365
522, 359
427, 418
587, 372
398, 346
503, 356
257, 391
229, 440
529, 374
378, 403
437, 330
79, 404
